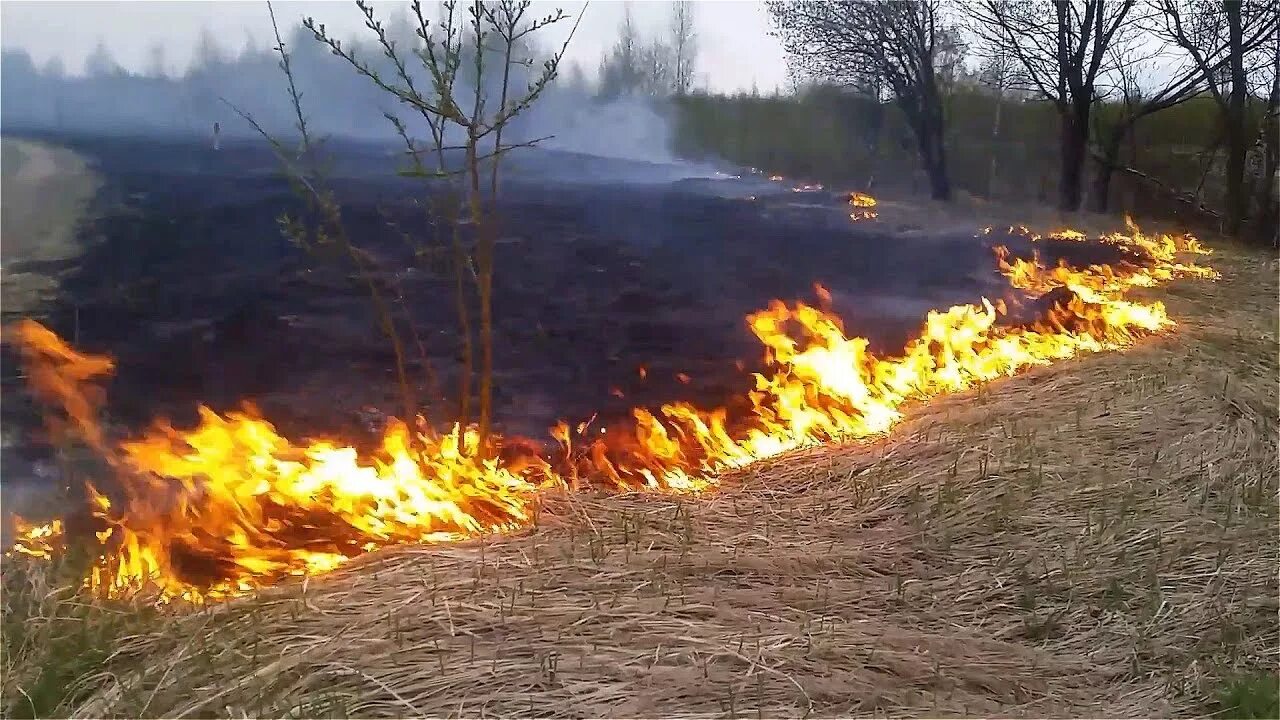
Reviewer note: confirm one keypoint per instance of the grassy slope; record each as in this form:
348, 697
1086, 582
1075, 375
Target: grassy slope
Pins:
46, 190
1092, 539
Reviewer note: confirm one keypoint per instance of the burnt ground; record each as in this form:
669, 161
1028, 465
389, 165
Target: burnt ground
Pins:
603, 267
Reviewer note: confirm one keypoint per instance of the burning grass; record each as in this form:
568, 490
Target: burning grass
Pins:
231, 506
1093, 538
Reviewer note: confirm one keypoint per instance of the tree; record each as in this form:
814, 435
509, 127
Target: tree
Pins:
486, 41
1218, 38
1060, 48
576, 79
1187, 75
996, 74
1269, 140
684, 46
157, 67
621, 69
54, 68
855, 41
208, 54
100, 63
949, 57
657, 69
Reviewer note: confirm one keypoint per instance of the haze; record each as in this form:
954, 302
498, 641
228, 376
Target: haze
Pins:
736, 52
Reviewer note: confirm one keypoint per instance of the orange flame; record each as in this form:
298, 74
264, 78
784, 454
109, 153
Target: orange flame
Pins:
231, 506
863, 204
63, 377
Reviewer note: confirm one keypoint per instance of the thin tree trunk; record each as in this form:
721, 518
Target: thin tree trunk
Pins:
464, 328
1268, 208
939, 181
484, 284
1074, 139
930, 132
995, 138
933, 161
1268, 203
1237, 202
1106, 167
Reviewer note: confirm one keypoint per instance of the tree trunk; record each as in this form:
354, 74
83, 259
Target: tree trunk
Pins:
930, 130
995, 139
484, 286
1267, 209
1237, 202
1268, 202
933, 160
1106, 167
939, 181
1074, 142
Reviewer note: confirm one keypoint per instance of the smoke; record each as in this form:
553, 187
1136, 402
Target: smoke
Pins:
336, 100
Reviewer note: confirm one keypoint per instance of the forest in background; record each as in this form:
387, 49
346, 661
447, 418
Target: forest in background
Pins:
1164, 108
828, 134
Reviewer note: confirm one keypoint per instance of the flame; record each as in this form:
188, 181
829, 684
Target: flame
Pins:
232, 506
63, 377
863, 204
38, 541
234, 500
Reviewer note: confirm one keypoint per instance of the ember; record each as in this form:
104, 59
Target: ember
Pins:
864, 206
232, 506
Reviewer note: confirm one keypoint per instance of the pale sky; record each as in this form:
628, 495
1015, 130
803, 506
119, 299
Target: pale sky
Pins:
735, 49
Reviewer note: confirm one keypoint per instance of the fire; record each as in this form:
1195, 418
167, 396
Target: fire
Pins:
863, 205
232, 506
63, 377
39, 541
239, 502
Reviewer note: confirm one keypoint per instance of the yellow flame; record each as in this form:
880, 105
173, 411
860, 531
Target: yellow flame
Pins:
863, 205
231, 505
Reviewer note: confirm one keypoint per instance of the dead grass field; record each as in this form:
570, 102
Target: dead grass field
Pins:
1093, 539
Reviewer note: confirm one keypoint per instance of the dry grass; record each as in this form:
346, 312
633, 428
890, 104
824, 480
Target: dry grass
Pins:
1093, 539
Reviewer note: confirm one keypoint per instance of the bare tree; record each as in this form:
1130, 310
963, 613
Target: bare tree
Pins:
1187, 75
684, 46
863, 41
996, 74
657, 69
1268, 148
576, 79
208, 54
157, 65
1218, 38
1060, 47
428, 77
621, 69
100, 62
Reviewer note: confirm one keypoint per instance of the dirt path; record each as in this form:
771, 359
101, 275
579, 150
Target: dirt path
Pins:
46, 191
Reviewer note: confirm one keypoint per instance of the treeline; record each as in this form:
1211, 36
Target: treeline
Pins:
1102, 69
1162, 107
220, 83
835, 135
1168, 107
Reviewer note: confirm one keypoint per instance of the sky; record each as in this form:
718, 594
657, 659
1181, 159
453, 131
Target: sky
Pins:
736, 52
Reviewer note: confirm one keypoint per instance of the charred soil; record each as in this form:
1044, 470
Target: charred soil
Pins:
604, 268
